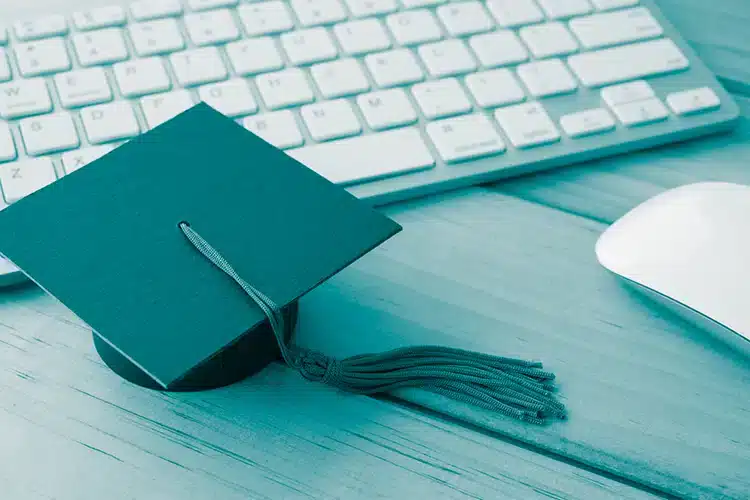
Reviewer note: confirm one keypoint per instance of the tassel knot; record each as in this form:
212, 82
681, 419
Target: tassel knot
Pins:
517, 388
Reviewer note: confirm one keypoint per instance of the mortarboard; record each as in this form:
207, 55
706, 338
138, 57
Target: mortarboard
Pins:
152, 245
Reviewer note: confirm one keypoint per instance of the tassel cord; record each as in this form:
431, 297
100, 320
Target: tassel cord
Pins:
513, 387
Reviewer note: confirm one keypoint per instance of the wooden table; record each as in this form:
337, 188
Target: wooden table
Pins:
656, 407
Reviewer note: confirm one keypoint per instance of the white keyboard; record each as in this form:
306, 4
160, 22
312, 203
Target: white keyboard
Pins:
390, 98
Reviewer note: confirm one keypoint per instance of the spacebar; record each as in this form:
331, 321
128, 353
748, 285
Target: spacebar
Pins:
367, 157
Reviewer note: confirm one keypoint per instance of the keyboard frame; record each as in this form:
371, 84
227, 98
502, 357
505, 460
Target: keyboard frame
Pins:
569, 151
514, 162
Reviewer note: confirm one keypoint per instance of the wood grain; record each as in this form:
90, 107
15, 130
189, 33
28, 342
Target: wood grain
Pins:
72, 430
718, 32
650, 398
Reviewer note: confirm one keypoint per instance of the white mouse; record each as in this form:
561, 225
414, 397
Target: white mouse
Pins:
689, 247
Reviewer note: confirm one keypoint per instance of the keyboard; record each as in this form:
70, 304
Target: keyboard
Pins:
391, 99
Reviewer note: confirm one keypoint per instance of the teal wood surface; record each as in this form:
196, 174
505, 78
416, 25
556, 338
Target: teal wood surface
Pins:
718, 32
72, 430
650, 398
513, 272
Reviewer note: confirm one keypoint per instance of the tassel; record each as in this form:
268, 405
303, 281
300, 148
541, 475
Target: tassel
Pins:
516, 388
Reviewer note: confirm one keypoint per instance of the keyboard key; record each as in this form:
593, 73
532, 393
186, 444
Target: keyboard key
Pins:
5, 73
394, 67
100, 47
493, 88
156, 37
330, 120
281, 89
627, 92
628, 62
75, 160
547, 78
145, 10
465, 18
385, 109
641, 112
162, 107
613, 4
413, 4
512, 13
3, 35
83, 87
340, 78
141, 77
21, 178
7, 146
265, 18
413, 27
211, 27
100, 17
199, 5
255, 55
588, 122
49, 134
21, 98
198, 66
43, 27
498, 48
441, 98
385, 154
362, 36
109, 122
527, 125
447, 58
318, 12
308, 46
559, 9
278, 128
364, 8
465, 137
232, 98
693, 101
613, 28
42, 57
549, 39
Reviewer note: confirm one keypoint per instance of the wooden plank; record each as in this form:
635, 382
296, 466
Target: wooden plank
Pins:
72, 430
718, 32
650, 398
605, 189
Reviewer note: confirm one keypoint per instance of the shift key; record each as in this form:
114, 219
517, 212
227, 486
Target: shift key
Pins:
364, 158
629, 62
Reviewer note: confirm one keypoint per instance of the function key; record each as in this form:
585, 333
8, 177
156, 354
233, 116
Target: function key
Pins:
102, 17
3, 35
144, 10
211, 4
613, 4
5, 73
42, 27
527, 125
561, 9
465, 137
588, 122
7, 147
693, 101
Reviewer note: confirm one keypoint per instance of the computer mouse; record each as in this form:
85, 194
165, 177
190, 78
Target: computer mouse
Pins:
689, 248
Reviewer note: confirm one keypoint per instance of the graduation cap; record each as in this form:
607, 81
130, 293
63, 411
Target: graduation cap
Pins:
186, 249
